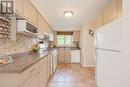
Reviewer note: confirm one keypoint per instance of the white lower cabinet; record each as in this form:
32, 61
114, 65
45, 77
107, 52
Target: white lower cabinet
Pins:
39, 77
68, 56
64, 56
35, 76
33, 81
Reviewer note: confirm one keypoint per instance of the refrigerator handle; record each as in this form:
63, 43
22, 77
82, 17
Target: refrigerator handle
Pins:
108, 50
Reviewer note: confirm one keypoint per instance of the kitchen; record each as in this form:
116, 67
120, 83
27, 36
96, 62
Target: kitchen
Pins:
64, 43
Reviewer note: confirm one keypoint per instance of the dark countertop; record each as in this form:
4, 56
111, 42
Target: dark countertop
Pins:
22, 61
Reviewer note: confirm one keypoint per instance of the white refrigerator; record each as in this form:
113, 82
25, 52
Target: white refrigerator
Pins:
109, 58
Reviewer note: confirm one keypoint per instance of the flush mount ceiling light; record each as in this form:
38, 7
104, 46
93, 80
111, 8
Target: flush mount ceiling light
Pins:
68, 13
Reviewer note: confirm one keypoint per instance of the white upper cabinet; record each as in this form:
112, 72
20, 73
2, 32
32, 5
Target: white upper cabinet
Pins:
112, 11
29, 12
40, 27
43, 27
19, 7
99, 21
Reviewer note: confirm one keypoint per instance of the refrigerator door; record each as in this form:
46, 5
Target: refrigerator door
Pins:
110, 36
109, 69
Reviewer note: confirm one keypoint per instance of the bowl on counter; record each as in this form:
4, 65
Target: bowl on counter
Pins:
6, 60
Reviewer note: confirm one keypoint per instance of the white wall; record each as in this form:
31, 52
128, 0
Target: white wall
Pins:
87, 47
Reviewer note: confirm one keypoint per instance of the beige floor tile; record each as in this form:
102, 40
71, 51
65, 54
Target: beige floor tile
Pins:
73, 75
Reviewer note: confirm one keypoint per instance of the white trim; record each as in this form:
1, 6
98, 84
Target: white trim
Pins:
88, 65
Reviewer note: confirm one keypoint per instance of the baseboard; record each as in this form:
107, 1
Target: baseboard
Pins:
88, 65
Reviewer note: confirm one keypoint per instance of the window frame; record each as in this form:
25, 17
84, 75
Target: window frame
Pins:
65, 38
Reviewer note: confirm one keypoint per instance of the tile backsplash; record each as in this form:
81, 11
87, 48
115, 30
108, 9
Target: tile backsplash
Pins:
22, 44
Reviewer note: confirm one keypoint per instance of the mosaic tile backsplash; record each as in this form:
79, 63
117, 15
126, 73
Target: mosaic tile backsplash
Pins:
22, 44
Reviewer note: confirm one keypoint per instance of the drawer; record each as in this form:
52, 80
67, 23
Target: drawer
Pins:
34, 80
27, 74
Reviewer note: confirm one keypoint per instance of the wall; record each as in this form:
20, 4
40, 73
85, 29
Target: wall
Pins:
22, 44
110, 11
87, 47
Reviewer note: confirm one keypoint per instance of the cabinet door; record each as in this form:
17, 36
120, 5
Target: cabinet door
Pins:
60, 56
49, 66
19, 7
33, 81
26, 8
34, 17
39, 78
30, 12
76, 35
43, 26
40, 27
110, 12
44, 73
67, 57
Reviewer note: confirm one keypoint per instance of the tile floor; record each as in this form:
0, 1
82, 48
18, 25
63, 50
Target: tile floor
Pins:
73, 75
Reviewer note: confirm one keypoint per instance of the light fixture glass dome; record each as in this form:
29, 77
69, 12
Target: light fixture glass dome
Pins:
68, 13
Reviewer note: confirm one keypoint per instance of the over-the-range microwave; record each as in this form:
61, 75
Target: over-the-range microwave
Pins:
24, 26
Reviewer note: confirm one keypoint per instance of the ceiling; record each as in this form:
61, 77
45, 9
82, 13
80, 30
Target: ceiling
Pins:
52, 11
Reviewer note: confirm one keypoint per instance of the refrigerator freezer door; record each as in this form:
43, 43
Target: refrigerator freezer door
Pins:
109, 69
110, 36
